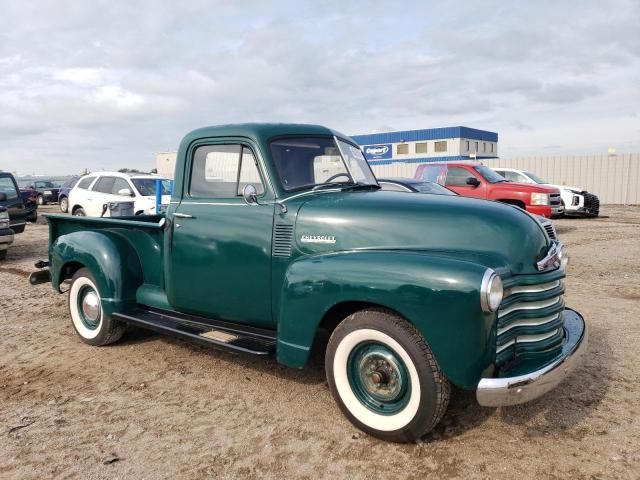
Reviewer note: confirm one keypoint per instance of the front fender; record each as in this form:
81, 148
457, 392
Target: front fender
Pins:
111, 260
439, 295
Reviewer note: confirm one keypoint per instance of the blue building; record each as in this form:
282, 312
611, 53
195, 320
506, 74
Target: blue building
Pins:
429, 145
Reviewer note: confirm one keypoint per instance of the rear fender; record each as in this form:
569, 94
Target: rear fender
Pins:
112, 261
439, 295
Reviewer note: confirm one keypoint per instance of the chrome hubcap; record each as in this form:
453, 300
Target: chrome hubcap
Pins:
91, 306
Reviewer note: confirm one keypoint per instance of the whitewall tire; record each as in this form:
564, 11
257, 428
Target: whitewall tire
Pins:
88, 318
383, 376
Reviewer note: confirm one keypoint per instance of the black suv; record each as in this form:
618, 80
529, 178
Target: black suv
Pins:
11, 199
46, 191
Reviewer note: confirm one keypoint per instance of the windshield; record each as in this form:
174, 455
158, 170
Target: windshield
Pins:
430, 187
489, 175
44, 185
147, 186
314, 161
535, 178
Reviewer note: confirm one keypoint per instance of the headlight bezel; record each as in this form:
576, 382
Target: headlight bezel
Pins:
491, 291
540, 198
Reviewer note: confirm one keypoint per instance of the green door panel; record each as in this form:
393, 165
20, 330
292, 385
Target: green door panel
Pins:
221, 261
439, 295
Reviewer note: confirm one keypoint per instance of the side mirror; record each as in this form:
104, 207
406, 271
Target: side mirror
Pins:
125, 192
473, 181
3, 196
250, 195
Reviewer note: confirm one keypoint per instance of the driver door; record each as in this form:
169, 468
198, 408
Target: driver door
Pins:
221, 246
457, 178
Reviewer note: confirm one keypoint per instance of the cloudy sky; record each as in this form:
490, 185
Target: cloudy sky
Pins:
106, 84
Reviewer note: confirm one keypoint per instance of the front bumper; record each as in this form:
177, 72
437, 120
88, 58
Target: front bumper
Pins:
499, 392
6, 238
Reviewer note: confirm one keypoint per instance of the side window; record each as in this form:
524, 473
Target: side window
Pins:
214, 172
119, 184
104, 185
521, 178
249, 173
457, 176
8, 187
85, 182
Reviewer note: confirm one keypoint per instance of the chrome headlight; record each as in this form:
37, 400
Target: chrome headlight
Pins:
491, 291
4, 219
539, 198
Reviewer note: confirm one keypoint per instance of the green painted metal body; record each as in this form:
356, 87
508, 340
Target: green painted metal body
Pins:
422, 256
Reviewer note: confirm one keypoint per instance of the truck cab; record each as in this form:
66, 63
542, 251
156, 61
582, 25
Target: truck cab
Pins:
276, 232
479, 181
11, 199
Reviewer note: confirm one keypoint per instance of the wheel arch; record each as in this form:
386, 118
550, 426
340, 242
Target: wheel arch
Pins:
111, 260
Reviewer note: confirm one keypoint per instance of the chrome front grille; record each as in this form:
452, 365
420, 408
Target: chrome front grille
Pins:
530, 321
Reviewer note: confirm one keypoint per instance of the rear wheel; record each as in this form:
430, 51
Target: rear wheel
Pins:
64, 204
384, 378
79, 212
41, 200
89, 320
18, 229
3, 254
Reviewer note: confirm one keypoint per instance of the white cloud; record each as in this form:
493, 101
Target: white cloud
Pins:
106, 84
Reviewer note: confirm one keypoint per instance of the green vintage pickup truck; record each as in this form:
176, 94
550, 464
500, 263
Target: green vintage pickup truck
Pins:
276, 232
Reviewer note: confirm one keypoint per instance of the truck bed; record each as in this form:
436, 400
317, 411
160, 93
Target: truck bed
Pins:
143, 233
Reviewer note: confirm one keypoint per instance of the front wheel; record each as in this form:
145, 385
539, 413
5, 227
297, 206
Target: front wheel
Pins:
89, 320
384, 377
3, 254
79, 212
40, 200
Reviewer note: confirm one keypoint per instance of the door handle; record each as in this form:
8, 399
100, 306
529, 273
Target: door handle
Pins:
182, 215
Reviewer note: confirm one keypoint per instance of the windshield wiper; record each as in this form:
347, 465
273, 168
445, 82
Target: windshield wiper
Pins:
321, 186
362, 186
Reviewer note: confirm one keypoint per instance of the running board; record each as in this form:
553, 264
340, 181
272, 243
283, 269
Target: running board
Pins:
213, 333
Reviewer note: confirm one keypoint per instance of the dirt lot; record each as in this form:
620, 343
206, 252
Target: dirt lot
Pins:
153, 407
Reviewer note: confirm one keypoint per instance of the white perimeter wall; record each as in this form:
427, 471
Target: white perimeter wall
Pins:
614, 178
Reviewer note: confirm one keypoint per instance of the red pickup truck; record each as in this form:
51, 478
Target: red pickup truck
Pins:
479, 181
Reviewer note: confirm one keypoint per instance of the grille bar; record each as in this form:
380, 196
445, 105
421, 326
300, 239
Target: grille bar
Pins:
540, 304
530, 320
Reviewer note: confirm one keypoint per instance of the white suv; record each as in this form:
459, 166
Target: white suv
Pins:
89, 196
575, 200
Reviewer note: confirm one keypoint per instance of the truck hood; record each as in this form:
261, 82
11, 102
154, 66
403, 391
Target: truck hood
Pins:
527, 187
489, 233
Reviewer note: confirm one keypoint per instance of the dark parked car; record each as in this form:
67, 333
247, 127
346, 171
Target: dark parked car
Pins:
47, 191
6, 234
63, 193
30, 199
413, 185
11, 199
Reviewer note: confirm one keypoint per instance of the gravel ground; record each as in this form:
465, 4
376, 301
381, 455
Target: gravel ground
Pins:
153, 407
